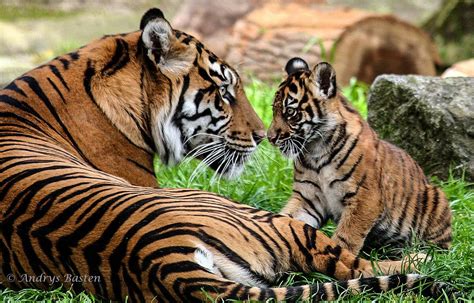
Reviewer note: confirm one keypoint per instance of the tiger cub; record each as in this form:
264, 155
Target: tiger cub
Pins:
373, 190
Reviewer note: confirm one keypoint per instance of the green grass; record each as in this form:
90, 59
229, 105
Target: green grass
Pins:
35, 295
22, 12
267, 183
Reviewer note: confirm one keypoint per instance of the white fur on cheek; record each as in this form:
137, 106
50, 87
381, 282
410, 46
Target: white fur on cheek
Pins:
167, 137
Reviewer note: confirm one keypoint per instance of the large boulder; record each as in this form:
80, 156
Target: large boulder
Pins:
431, 118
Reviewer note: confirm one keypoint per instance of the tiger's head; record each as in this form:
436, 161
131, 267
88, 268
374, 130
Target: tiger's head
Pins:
206, 114
305, 108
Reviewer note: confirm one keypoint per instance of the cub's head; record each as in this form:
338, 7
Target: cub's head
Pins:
304, 108
200, 107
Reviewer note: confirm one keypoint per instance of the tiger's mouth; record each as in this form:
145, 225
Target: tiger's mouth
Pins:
228, 162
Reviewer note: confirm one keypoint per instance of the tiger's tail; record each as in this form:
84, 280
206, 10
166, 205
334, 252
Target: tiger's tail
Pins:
333, 290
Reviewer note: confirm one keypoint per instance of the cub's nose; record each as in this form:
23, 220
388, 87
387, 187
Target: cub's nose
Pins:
272, 136
258, 136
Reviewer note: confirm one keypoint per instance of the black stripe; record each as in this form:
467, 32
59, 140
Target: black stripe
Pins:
348, 152
330, 266
58, 75
347, 175
178, 267
120, 58
293, 293
74, 56
406, 194
336, 146
203, 73
436, 202
355, 265
349, 195
343, 240
372, 284
153, 275
134, 290
318, 108
420, 199
318, 292
348, 107
308, 182
56, 89
441, 229
13, 87
142, 167
424, 213
23, 106
395, 281
65, 63
145, 131
320, 217
88, 74
302, 249
310, 234
233, 294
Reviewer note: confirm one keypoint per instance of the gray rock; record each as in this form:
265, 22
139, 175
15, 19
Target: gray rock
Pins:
431, 118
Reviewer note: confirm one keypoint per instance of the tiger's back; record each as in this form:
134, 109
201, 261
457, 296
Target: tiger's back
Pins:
375, 191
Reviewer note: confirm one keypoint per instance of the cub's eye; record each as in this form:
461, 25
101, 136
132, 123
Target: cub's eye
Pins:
290, 112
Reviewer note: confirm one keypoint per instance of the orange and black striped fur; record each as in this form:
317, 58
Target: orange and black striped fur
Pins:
77, 137
376, 192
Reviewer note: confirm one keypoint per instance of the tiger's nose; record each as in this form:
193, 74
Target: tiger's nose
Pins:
258, 136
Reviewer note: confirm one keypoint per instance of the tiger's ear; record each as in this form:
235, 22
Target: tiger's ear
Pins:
324, 77
296, 64
162, 46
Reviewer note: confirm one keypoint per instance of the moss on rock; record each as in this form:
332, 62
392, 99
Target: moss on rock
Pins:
431, 118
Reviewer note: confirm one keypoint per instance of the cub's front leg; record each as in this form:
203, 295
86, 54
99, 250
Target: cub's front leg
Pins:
357, 219
300, 207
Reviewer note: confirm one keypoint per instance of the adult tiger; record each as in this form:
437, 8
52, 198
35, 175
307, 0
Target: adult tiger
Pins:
375, 191
77, 138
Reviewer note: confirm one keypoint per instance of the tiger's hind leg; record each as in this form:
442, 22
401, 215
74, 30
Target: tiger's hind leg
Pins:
196, 277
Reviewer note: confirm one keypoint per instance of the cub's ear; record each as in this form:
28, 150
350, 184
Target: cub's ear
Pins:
325, 79
296, 64
162, 46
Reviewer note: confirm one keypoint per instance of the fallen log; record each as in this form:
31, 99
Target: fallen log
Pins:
358, 43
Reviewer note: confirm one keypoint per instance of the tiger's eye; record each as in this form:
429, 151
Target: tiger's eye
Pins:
222, 90
290, 112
